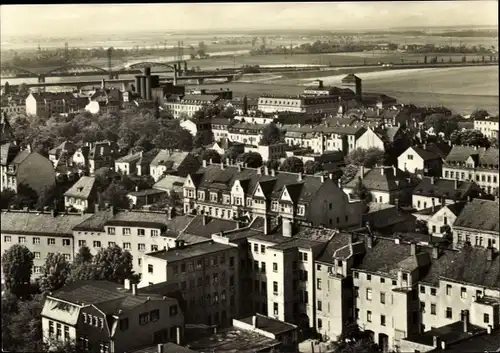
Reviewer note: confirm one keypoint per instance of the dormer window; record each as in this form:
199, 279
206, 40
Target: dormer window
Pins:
274, 206
301, 210
213, 196
201, 195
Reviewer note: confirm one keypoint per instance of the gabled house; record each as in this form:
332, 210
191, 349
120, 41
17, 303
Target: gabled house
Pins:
370, 139
80, 158
26, 168
82, 195
478, 224
62, 153
440, 218
418, 160
474, 164
102, 316
433, 191
128, 164
387, 185
174, 163
101, 154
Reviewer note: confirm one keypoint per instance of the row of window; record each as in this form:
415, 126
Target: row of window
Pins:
478, 240
93, 320
461, 175
55, 329
126, 246
36, 240
152, 316
202, 264
140, 231
206, 281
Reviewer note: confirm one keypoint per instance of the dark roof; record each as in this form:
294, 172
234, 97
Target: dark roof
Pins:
169, 347
83, 188
213, 226
479, 343
21, 156
171, 159
207, 98
35, 223
339, 241
189, 251
380, 178
269, 324
146, 192
95, 223
482, 157
152, 219
450, 333
425, 154
107, 296
7, 152
130, 158
479, 215
213, 177
351, 78
450, 189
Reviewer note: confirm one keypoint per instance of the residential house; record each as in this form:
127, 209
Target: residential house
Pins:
189, 104
206, 275
80, 158
173, 163
474, 164
138, 232
387, 185
275, 151
253, 334
246, 133
48, 103
195, 125
370, 139
105, 100
129, 164
418, 160
26, 168
101, 154
330, 161
41, 232
140, 198
488, 126
82, 195
230, 191
477, 224
62, 153
298, 104
171, 184
12, 104
440, 218
220, 127
105, 317
433, 191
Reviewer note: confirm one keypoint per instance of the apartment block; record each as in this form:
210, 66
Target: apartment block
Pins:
105, 317
488, 126
298, 104
189, 104
474, 164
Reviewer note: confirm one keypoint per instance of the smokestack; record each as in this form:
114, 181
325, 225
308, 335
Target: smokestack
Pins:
134, 288
178, 332
413, 249
465, 318
254, 321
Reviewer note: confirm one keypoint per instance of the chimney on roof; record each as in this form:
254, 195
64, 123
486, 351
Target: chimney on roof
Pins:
259, 170
435, 341
330, 176
210, 161
96, 208
382, 170
178, 335
266, 170
413, 249
254, 321
239, 167
369, 241
435, 252
456, 184
362, 172
432, 180
322, 178
299, 177
489, 329
489, 254
228, 161
204, 163
273, 172
465, 319
205, 219
170, 213
433, 206
394, 170
160, 348
134, 288
136, 188
449, 143
126, 284
221, 165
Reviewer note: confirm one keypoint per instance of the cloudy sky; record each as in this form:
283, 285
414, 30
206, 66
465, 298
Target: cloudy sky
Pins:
78, 19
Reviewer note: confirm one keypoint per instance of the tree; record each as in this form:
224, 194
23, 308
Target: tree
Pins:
5, 197
203, 138
494, 142
442, 123
348, 173
26, 326
45, 196
469, 138
479, 114
353, 340
212, 155
116, 195
231, 153
173, 137
114, 264
292, 165
55, 273
251, 159
273, 164
361, 192
83, 256
25, 197
313, 167
271, 134
365, 157
17, 267
421, 226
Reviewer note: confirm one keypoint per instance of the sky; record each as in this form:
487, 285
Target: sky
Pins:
54, 20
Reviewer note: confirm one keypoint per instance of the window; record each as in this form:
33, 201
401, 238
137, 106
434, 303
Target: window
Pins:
318, 283
127, 246
84, 318
263, 249
275, 308
368, 277
320, 305
449, 313
82, 243
22, 240
173, 310
141, 232
433, 291
51, 328
141, 247
410, 157
150, 268
154, 315
320, 324
51, 241
433, 309
58, 330
66, 242
368, 294
369, 316
7, 239
422, 289
382, 320
263, 267
448, 289
36, 240
275, 288
382, 297
101, 322
486, 318
275, 267
356, 292
111, 244
154, 233
126, 231
143, 318
356, 274
67, 257
154, 248
37, 269
111, 231
463, 293
97, 244
382, 280
37, 255
231, 261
